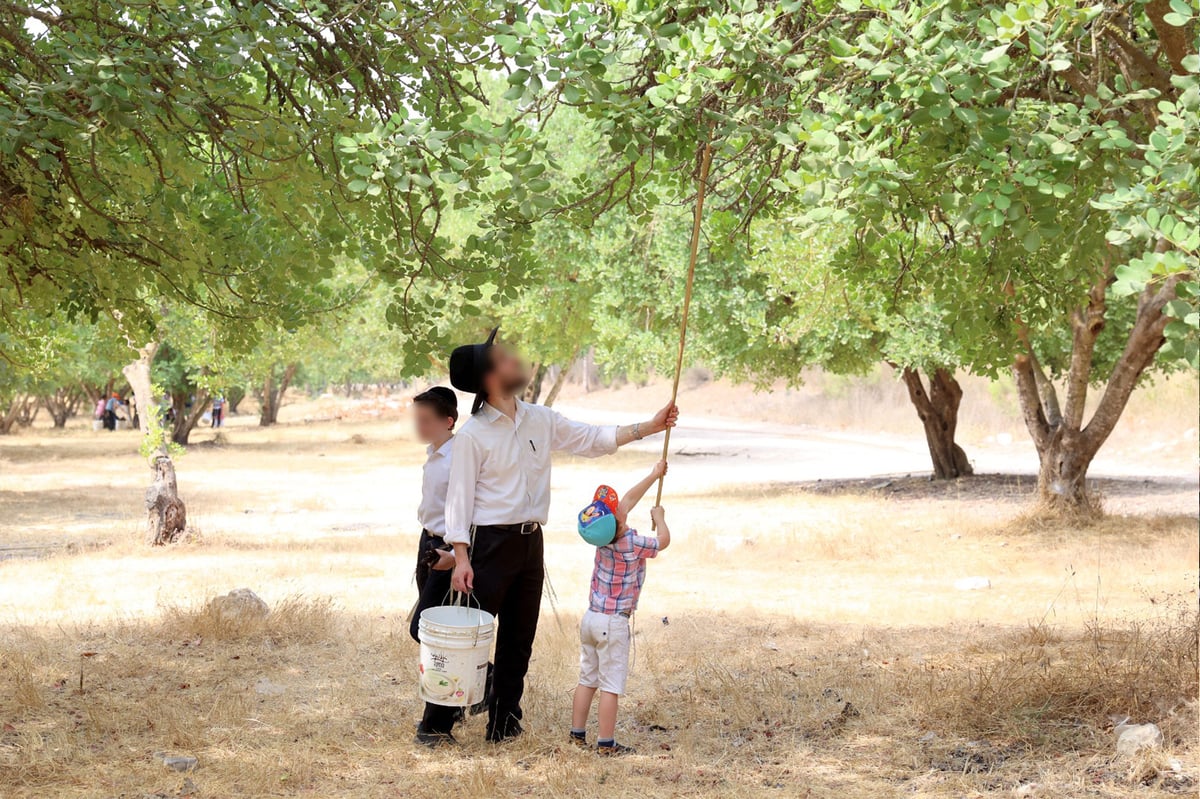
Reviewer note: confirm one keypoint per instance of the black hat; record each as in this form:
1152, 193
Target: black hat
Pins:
469, 364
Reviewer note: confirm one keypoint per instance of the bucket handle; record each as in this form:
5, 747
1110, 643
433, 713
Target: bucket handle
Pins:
460, 599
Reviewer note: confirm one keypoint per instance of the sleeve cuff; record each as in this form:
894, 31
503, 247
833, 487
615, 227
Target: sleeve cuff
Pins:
456, 538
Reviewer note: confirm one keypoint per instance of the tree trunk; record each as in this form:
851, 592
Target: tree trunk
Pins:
61, 405
1065, 446
8, 418
91, 391
560, 380
589, 366
27, 410
186, 420
166, 513
938, 411
233, 398
272, 394
534, 390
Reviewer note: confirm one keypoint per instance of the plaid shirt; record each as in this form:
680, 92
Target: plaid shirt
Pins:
619, 573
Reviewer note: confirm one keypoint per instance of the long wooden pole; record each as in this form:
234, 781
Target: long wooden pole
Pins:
701, 187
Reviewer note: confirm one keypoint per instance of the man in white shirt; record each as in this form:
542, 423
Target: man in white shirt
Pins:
496, 503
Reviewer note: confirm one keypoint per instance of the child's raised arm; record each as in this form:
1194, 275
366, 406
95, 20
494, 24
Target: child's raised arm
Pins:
634, 495
660, 524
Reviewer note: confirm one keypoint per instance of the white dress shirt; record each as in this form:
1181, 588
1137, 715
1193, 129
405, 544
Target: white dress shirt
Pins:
500, 473
435, 478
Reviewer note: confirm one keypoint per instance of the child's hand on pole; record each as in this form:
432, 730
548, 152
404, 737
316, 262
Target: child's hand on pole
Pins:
658, 515
659, 470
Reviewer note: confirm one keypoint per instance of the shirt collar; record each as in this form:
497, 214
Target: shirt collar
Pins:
444, 449
493, 415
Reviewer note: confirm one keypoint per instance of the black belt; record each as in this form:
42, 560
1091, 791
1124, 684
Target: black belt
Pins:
524, 528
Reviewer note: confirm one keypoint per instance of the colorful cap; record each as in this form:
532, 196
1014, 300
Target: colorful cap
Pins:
608, 496
597, 524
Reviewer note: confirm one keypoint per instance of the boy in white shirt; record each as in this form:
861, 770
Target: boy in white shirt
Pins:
435, 412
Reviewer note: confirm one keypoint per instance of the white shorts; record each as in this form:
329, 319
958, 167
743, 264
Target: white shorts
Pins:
604, 652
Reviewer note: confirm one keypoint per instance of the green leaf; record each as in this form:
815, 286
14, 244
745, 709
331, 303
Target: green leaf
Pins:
994, 54
357, 185
840, 47
1177, 308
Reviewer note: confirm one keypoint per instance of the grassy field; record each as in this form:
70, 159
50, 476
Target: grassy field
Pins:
794, 642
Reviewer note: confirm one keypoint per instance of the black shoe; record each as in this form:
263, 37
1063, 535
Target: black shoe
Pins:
579, 740
614, 750
508, 732
434, 740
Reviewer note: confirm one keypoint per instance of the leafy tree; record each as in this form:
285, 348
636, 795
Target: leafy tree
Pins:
56, 364
1050, 146
225, 155
1027, 149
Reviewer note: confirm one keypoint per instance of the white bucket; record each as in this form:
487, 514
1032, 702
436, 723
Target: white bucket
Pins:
456, 643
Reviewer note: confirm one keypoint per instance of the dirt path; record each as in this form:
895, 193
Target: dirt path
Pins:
715, 451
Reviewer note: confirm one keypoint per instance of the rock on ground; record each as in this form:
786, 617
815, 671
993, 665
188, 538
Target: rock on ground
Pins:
264, 687
240, 605
1133, 738
180, 762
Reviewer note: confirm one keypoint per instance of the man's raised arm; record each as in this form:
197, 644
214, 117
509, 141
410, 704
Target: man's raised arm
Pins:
595, 440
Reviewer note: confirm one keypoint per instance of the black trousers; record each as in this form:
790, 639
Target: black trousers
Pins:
427, 544
433, 586
509, 574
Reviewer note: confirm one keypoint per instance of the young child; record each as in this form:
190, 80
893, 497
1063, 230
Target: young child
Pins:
617, 579
435, 412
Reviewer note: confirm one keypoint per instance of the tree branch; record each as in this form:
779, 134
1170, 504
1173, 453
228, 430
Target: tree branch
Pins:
1086, 324
1025, 370
1145, 340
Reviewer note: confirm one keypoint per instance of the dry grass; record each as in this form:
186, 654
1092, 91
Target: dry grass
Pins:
293, 620
724, 706
791, 643
1043, 686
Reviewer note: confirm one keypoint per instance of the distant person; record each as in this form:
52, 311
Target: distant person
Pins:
617, 577
496, 503
98, 413
110, 411
218, 411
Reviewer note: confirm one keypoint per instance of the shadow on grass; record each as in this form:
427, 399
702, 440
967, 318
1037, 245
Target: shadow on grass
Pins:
1003, 488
